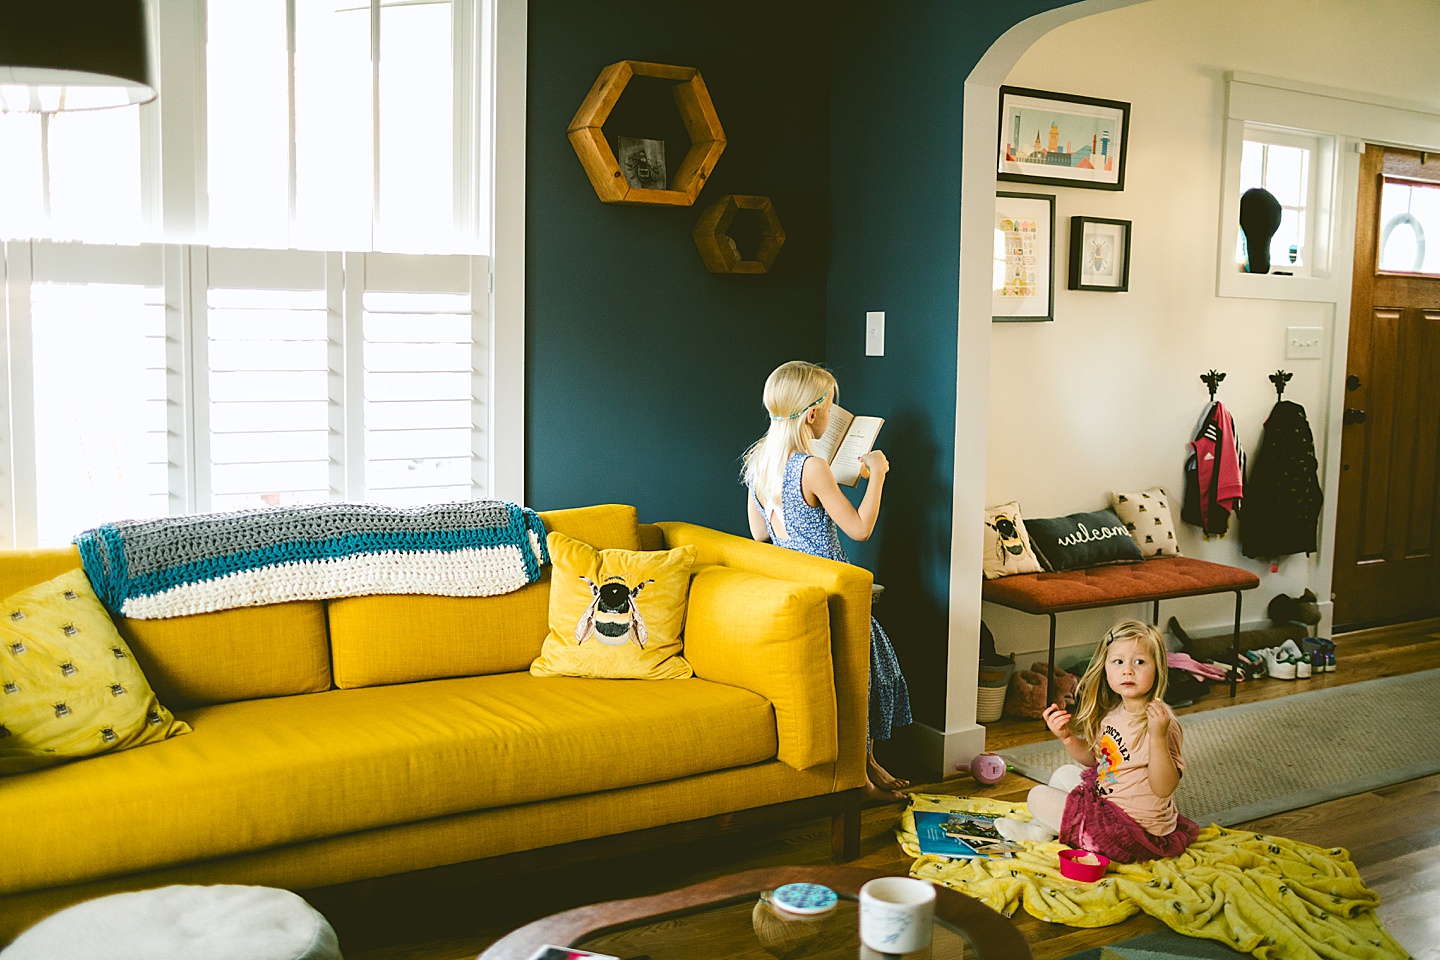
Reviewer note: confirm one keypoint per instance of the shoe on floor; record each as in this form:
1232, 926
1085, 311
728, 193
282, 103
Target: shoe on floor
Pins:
1278, 664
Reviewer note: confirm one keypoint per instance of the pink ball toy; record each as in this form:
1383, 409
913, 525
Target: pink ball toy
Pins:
988, 768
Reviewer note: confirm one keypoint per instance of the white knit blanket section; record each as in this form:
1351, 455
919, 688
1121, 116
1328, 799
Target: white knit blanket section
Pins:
448, 573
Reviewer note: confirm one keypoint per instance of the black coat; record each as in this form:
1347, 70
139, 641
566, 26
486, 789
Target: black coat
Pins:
1282, 494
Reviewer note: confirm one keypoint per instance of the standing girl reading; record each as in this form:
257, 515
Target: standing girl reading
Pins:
1120, 801
794, 502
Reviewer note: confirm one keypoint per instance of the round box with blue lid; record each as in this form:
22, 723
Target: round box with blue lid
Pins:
806, 899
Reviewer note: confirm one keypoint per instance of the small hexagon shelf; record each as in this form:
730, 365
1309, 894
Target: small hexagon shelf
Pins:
718, 250
707, 139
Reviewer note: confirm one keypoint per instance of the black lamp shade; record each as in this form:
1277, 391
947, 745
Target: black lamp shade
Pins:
73, 55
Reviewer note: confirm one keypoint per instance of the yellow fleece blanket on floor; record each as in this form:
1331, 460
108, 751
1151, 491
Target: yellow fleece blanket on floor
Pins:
1275, 898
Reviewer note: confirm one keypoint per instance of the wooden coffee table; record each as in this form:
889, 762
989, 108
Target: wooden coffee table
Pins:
729, 919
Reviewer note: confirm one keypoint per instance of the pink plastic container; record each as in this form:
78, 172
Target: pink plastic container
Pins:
1084, 872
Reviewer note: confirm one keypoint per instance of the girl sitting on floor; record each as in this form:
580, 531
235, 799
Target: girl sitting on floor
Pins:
1120, 801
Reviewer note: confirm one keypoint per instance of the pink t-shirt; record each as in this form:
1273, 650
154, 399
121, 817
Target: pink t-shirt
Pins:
1122, 775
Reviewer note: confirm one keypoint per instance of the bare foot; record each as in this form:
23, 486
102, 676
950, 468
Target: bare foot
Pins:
882, 785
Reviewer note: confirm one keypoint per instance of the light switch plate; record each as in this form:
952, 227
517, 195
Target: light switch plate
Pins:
875, 333
1304, 343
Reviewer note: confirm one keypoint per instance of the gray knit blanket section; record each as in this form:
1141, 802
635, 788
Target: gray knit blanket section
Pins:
176, 566
164, 542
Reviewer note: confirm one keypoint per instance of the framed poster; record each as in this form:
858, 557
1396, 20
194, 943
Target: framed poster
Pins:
1062, 140
1099, 254
1023, 284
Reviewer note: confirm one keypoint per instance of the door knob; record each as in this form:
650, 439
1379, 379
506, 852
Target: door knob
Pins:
1352, 382
1353, 416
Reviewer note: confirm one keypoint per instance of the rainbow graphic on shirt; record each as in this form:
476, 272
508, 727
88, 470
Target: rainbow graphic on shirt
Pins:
1110, 759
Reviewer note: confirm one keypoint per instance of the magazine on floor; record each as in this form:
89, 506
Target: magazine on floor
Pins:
956, 835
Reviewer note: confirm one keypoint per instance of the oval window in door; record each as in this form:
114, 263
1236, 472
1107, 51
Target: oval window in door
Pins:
1409, 210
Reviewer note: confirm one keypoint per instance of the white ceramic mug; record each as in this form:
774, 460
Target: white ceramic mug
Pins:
897, 914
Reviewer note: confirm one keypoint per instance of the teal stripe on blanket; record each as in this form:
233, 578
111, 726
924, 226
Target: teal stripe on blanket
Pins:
180, 551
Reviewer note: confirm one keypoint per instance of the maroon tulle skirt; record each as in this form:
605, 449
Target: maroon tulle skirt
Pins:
1093, 823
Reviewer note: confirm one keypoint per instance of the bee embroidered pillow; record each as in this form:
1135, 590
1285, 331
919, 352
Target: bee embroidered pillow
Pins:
615, 614
1146, 514
1007, 545
69, 685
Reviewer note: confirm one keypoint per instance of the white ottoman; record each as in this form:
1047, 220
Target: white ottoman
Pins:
220, 922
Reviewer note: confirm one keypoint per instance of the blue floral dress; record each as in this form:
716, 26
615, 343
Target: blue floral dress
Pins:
812, 531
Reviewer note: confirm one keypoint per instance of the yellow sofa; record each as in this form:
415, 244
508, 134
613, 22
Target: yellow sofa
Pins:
370, 736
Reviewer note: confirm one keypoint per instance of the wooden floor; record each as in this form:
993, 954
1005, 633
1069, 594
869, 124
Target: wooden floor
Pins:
1393, 835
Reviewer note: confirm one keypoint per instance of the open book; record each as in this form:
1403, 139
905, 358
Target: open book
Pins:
845, 441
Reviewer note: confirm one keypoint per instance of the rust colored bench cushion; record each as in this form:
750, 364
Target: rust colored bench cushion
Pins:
1157, 579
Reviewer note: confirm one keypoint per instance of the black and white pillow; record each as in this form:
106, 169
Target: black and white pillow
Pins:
1007, 545
1082, 540
1146, 515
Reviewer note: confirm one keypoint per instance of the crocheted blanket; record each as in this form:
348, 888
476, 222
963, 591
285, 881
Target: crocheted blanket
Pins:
173, 566
1275, 898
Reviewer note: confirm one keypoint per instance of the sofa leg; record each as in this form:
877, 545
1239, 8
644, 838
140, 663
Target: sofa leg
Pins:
845, 827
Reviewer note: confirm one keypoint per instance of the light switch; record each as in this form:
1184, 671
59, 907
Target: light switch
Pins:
875, 333
1303, 343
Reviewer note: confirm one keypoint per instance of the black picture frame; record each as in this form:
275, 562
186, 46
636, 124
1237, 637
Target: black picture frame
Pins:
1099, 254
1026, 225
1070, 118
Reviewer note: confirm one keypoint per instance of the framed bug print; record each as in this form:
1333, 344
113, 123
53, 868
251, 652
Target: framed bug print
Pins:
1023, 286
1099, 254
1062, 140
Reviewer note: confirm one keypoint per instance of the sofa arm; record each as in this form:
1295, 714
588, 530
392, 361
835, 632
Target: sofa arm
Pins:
847, 590
771, 637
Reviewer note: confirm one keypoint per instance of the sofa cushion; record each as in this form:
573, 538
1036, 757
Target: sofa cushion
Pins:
69, 685
461, 636
269, 651
615, 614
262, 773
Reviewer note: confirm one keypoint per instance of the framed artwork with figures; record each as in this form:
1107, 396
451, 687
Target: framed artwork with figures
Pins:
1099, 254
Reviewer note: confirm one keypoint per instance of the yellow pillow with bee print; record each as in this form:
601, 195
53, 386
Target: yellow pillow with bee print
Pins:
69, 685
616, 614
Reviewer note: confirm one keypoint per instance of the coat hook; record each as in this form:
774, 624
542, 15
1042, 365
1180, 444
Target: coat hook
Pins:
1280, 378
1212, 380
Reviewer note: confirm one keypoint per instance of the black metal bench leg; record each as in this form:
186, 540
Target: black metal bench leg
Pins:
1155, 615
1235, 645
1050, 683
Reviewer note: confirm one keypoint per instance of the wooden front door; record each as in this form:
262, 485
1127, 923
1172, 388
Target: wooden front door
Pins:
1386, 566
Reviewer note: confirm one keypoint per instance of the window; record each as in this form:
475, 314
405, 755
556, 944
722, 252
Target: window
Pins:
1284, 163
336, 128
313, 319
1409, 226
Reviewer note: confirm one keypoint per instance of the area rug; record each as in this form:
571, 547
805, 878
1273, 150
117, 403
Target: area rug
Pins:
1159, 945
1254, 759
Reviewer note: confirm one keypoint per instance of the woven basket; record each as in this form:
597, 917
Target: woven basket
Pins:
989, 704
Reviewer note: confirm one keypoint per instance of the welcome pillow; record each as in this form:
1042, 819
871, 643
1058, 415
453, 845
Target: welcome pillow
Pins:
69, 685
1083, 540
1147, 516
1007, 544
615, 614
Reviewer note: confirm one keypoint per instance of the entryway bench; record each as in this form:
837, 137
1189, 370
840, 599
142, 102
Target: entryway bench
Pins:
1163, 578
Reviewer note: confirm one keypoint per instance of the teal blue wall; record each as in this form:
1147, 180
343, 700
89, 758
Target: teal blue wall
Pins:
896, 117
643, 371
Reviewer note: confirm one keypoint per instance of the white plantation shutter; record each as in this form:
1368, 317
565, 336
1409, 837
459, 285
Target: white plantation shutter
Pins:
268, 332
422, 412
95, 321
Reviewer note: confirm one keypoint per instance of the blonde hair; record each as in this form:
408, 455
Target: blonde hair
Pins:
790, 391
1094, 698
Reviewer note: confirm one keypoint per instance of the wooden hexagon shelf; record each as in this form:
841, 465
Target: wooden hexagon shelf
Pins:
718, 250
707, 139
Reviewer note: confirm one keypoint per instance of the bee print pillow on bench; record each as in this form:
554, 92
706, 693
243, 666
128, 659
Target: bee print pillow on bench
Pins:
1008, 550
615, 614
